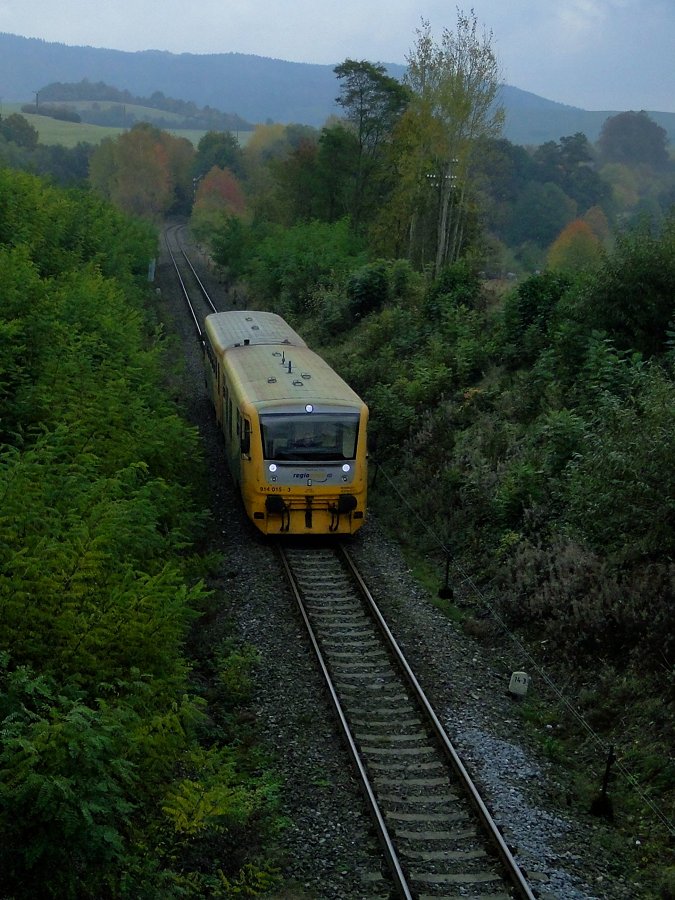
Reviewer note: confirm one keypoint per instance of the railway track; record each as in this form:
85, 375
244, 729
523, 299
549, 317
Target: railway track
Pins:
197, 298
437, 835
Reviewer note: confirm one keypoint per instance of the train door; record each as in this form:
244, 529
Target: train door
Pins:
217, 394
243, 436
211, 372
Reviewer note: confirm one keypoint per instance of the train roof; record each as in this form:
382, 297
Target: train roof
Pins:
238, 327
269, 363
280, 377
270, 375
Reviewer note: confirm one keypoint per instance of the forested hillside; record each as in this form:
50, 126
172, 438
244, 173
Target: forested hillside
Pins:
102, 104
256, 88
114, 777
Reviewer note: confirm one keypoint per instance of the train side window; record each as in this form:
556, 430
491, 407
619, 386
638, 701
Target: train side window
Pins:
245, 437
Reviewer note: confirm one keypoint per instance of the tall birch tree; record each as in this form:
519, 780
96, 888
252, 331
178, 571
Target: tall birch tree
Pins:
455, 86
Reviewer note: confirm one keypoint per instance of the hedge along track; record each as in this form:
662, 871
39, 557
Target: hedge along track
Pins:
438, 838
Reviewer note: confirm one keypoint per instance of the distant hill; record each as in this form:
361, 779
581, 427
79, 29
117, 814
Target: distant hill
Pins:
257, 89
100, 104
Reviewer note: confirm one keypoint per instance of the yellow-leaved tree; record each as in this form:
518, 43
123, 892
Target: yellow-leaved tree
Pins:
576, 248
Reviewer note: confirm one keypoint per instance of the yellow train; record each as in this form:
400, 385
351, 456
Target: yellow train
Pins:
295, 432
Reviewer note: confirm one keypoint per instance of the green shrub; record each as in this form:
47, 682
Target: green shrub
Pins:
456, 285
368, 289
291, 264
66, 783
527, 314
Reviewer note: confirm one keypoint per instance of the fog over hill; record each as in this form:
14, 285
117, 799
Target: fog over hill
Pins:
256, 88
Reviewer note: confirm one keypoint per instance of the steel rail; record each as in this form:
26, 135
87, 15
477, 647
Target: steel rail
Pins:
184, 289
206, 294
400, 881
511, 866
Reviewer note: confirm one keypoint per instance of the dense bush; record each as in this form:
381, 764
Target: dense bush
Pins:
98, 720
526, 316
631, 296
564, 453
367, 289
291, 265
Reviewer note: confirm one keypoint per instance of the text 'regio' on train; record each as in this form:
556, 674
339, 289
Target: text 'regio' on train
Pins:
295, 432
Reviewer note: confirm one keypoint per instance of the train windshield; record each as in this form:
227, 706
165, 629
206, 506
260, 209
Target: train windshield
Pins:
315, 436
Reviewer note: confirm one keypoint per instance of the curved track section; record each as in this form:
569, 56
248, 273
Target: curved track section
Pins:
438, 837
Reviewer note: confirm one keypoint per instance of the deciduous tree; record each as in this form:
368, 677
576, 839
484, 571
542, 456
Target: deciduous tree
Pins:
576, 248
455, 86
144, 171
218, 148
373, 102
219, 196
633, 138
18, 129
570, 165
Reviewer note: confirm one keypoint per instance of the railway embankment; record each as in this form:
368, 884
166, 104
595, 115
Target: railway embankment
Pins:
328, 847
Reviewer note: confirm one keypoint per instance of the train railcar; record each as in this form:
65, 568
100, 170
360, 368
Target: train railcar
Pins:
295, 432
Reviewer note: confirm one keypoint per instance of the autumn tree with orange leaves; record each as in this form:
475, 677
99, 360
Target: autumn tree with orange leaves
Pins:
219, 196
145, 172
576, 248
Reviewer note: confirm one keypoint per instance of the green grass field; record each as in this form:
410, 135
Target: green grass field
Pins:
69, 134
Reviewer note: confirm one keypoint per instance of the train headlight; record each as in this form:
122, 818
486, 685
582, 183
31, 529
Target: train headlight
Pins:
273, 467
346, 467
309, 408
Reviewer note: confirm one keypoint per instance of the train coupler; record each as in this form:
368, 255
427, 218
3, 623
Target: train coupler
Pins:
275, 505
345, 505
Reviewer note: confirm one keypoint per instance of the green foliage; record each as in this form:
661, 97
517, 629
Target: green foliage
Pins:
631, 295
569, 165
539, 214
633, 137
373, 102
217, 148
19, 131
527, 313
234, 675
367, 289
66, 788
233, 242
520, 486
291, 265
96, 521
456, 285
215, 811
628, 452
212, 801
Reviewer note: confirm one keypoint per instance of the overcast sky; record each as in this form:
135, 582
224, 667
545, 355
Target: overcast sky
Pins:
596, 54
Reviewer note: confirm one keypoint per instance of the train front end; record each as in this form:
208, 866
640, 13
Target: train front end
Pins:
311, 475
